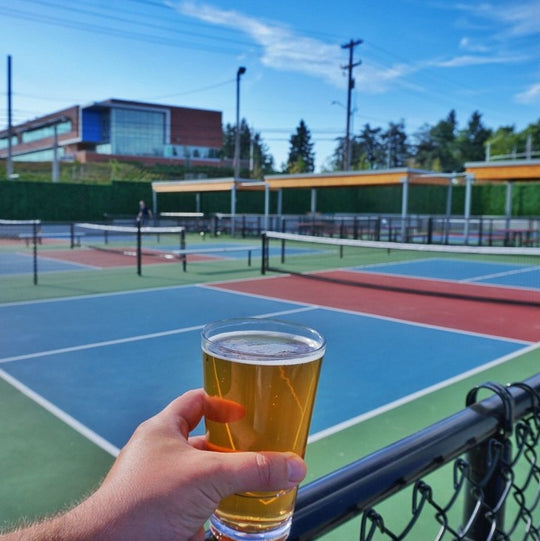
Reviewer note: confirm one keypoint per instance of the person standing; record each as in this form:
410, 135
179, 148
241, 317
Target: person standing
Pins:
144, 213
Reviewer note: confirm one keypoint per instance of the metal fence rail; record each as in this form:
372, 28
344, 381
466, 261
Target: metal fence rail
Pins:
494, 446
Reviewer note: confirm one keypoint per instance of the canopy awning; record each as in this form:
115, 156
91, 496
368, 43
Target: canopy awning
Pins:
505, 171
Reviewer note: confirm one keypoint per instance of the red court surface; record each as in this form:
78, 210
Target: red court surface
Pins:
105, 259
517, 322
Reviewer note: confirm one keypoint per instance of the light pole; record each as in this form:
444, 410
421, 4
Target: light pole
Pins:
239, 73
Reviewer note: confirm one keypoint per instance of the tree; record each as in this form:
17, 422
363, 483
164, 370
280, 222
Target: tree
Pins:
301, 156
396, 146
435, 147
470, 143
252, 149
262, 160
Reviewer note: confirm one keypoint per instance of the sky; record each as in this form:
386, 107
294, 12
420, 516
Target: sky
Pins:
416, 60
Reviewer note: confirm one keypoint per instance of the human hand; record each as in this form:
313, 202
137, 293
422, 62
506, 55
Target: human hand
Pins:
165, 485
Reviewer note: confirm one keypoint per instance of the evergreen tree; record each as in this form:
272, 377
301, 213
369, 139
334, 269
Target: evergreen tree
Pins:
252, 148
301, 156
471, 141
396, 146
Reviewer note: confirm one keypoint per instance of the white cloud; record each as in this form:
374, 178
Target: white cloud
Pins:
285, 50
519, 18
467, 44
282, 49
473, 60
531, 95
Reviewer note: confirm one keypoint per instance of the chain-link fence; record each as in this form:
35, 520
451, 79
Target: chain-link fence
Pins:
472, 476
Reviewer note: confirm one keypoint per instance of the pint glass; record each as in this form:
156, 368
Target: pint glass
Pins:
270, 368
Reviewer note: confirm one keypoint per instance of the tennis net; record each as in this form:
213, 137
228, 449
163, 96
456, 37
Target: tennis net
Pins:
136, 241
17, 229
492, 274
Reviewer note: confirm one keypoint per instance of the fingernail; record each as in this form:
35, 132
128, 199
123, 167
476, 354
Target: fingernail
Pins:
296, 469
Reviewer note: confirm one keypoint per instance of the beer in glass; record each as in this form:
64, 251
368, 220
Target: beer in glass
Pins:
271, 369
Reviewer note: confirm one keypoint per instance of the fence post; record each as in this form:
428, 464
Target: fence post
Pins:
483, 512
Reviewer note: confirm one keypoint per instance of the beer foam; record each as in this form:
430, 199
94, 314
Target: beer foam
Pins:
264, 348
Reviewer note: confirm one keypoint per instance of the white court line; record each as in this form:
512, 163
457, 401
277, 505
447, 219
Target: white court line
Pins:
502, 273
68, 419
60, 414
380, 317
409, 398
128, 339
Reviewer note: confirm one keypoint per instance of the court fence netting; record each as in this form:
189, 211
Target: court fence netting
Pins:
381, 265
473, 476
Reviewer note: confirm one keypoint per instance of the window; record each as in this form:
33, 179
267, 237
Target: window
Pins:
46, 131
136, 132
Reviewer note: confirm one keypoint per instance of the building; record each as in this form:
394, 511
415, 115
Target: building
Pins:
120, 130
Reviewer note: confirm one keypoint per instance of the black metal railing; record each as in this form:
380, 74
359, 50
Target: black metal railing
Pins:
487, 442
493, 448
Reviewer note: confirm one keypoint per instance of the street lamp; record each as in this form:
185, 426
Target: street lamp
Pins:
239, 73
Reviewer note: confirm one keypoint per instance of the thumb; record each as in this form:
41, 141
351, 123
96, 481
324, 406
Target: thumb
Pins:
263, 471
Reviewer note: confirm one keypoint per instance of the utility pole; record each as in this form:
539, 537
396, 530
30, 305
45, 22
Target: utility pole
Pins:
9, 161
350, 85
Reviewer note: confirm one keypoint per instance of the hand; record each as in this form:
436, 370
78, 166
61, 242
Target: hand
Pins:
165, 485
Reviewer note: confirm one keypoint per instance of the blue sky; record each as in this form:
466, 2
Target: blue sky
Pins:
419, 60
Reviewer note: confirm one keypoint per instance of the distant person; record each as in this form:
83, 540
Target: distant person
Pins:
164, 485
144, 214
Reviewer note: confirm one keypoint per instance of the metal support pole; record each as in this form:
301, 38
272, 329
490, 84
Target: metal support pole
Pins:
404, 205
266, 205
508, 204
9, 161
139, 249
154, 204
239, 73
34, 249
468, 192
233, 208
55, 165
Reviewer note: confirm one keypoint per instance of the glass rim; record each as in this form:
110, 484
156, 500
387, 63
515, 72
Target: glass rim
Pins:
309, 336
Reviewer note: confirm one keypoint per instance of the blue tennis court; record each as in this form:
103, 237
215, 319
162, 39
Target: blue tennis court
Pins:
466, 271
110, 361
22, 263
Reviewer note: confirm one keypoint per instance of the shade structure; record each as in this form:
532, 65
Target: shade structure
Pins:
493, 172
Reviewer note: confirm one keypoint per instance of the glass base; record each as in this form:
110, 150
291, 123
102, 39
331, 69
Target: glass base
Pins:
224, 532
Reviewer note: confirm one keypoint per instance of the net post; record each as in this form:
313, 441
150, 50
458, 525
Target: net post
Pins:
283, 250
139, 249
34, 249
429, 238
72, 235
264, 253
183, 257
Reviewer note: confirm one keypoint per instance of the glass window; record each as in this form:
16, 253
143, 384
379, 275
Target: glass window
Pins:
39, 156
136, 132
46, 131
4, 141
